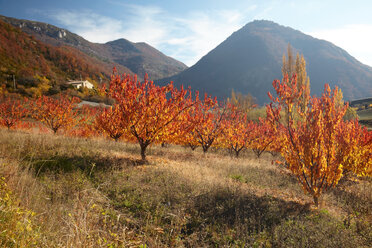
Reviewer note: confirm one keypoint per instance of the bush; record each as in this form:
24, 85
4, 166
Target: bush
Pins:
17, 228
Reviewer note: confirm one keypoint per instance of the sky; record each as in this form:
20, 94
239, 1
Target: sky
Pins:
188, 30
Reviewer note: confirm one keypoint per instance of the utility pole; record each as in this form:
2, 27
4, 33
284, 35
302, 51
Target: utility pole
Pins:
14, 82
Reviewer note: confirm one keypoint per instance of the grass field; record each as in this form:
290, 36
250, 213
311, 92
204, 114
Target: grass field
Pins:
365, 114
365, 117
70, 192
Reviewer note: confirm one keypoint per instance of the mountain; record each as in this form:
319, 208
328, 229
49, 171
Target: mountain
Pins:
142, 58
36, 66
139, 58
251, 58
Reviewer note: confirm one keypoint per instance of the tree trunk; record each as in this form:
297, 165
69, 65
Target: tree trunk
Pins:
192, 147
316, 201
143, 152
205, 149
257, 152
237, 153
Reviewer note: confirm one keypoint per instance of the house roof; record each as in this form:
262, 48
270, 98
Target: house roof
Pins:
79, 82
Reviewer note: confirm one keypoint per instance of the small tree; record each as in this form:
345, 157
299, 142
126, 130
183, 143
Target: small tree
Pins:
11, 112
297, 67
86, 127
148, 112
55, 113
313, 145
243, 103
237, 130
357, 146
205, 118
262, 137
111, 122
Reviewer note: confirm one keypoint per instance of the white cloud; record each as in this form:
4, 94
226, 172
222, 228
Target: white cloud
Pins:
203, 32
356, 39
185, 38
91, 26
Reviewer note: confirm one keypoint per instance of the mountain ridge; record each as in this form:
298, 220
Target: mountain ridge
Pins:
145, 59
32, 67
251, 58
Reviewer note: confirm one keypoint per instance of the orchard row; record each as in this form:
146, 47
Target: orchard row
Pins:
318, 146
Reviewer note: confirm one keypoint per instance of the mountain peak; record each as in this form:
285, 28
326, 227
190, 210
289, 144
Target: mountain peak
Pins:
263, 22
120, 41
137, 58
251, 58
123, 45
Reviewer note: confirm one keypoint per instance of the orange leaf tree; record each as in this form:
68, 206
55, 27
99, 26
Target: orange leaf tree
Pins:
110, 121
148, 111
11, 112
205, 118
312, 144
183, 128
86, 127
356, 143
56, 113
237, 130
262, 137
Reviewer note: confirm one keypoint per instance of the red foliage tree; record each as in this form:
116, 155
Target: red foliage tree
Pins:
237, 130
356, 143
11, 112
110, 121
56, 113
313, 138
262, 137
205, 120
148, 111
86, 127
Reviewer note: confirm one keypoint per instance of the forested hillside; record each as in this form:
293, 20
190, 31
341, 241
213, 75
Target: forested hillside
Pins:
31, 67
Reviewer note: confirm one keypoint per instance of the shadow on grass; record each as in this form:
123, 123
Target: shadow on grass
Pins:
65, 164
244, 212
355, 203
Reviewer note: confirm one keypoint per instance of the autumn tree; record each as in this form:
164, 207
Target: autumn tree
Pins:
56, 113
356, 143
147, 110
205, 118
2, 89
288, 63
236, 130
110, 120
350, 113
11, 111
262, 137
244, 103
312, 146
297, 67
87, 127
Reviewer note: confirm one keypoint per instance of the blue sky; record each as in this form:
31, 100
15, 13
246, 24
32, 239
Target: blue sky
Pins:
187, 30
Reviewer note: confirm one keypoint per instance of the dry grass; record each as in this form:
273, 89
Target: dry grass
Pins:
95, 193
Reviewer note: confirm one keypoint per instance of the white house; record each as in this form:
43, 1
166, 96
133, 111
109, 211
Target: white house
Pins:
78, 84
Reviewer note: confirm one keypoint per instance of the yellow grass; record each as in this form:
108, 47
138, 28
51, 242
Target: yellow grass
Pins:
96, 193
